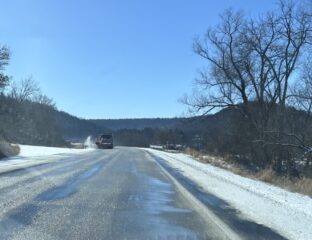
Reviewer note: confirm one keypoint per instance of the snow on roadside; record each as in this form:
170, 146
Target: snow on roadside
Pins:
33, 155
288, 213
32, 151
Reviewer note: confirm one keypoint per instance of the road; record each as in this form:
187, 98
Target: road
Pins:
122, 193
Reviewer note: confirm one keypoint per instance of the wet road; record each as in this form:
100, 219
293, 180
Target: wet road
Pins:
105, 194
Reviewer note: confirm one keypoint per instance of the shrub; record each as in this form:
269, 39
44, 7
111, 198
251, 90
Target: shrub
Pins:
7, 149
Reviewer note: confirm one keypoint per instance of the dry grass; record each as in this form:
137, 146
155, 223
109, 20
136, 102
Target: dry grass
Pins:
299, 185
218, 161
7, 149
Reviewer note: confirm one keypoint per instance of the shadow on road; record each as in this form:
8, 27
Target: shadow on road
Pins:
221, 208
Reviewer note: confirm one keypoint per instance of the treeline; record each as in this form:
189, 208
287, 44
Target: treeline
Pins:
27, 116
138, 123
147, 136
230, 136
28, 122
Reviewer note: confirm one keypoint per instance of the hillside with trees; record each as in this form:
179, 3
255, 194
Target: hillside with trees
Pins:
76, 129
26, 114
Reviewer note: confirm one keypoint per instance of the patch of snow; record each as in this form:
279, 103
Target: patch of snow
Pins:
156, 146
290, 214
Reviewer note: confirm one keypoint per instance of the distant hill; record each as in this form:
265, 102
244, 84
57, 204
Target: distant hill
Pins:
138, 123
76, 129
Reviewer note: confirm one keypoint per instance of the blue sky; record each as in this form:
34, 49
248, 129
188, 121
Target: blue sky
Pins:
112, 58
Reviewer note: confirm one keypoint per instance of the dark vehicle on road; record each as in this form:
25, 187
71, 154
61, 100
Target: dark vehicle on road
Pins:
105, 141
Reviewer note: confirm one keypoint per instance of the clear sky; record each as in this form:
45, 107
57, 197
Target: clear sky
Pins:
112, 58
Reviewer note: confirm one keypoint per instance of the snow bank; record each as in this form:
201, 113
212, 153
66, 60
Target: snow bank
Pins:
290, 214
34, 155
31, 151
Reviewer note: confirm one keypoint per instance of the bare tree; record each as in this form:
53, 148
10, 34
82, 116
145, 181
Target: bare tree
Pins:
279, 40
4, 61
25, 89
44, 100
221, 84
301, 96
250, 60
250, 65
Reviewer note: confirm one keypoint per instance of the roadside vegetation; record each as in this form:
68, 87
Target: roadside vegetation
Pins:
7, 149
301, 184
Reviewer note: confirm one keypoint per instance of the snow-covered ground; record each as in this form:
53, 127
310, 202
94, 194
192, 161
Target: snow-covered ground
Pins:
290, 214
33, 155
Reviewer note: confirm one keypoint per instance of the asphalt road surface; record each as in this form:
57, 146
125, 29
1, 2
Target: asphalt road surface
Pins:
123, 193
